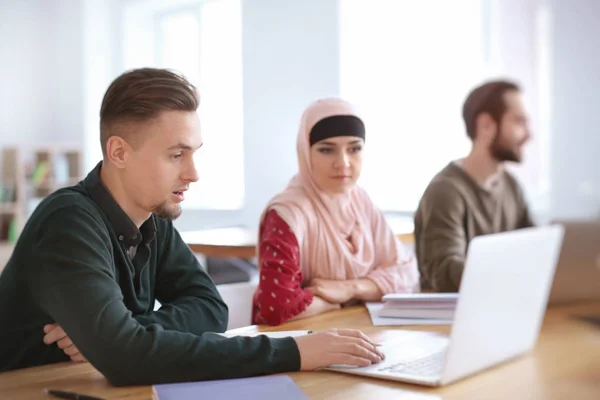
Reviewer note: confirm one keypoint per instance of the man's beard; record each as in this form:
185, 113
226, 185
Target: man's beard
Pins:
168, 213
501, 152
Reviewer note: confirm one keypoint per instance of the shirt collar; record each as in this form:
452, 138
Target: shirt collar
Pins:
126, 230
491, 184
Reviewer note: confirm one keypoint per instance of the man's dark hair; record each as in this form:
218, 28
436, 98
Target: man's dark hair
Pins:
140, 95
487, 98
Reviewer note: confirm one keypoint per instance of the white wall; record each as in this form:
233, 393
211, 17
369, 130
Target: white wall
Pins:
100, 61
40, 72
290, 59
25, 61
65, 123
576, 109
53, 52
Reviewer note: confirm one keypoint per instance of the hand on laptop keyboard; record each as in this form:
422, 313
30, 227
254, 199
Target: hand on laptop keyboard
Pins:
338, 346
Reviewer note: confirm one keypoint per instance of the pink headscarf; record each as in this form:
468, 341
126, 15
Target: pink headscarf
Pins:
323, 223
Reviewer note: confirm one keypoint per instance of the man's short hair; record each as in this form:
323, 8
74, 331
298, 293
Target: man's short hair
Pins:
140, 95
486, 98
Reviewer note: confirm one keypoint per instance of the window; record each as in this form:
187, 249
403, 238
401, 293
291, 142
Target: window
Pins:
202, 40
409, 70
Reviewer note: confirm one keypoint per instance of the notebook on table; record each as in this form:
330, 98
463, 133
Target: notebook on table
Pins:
375, 309
417, 313
421, 300
419, 306
273, 387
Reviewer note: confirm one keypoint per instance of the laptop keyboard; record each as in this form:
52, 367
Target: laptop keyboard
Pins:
430, 365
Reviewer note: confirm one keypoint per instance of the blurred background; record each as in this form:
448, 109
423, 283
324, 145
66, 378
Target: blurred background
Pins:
408, 65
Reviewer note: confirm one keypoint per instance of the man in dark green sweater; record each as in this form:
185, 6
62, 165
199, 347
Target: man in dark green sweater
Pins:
93, 258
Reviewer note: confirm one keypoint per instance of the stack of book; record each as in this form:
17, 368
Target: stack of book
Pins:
425, 306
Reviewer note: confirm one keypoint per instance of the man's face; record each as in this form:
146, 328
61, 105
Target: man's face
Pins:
513, 131
159, 171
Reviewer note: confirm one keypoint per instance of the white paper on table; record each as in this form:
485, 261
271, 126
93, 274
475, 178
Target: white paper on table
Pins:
279, 334
375, 307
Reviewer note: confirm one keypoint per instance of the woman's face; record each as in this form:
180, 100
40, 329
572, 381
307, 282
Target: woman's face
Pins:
336, 163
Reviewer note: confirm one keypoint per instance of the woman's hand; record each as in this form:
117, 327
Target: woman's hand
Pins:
332, 291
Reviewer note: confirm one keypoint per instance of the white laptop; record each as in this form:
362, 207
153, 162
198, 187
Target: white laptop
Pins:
503, 297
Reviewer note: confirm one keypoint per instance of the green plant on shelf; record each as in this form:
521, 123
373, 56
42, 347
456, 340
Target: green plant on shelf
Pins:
12, 231
40, 173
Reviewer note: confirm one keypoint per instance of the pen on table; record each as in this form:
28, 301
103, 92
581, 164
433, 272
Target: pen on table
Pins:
70, 395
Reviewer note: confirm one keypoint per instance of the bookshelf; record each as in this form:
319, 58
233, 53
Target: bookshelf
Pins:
30, 173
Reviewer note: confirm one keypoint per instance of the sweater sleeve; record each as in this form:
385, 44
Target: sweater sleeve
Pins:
190, 301
279, 295
440, 237
73, 283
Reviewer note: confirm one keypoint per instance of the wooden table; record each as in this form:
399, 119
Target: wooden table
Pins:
236, 242
564, 365
240, 242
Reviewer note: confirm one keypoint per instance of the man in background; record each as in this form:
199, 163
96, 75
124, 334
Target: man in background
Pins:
475, 195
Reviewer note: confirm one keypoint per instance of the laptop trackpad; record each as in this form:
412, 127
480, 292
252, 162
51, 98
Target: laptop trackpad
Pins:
405, 348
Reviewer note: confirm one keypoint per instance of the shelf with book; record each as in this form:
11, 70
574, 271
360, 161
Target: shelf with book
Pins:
30, 173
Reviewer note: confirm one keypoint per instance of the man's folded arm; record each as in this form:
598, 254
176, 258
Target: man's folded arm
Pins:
73, 283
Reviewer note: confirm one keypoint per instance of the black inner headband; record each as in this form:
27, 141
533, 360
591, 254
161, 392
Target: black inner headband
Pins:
337, 125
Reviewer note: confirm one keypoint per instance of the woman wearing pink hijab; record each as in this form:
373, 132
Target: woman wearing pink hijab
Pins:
322, 241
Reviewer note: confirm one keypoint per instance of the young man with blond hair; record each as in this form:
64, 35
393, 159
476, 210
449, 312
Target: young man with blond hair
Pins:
94, 257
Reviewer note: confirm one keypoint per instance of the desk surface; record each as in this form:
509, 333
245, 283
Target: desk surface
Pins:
564, 365
241, 242
236, 242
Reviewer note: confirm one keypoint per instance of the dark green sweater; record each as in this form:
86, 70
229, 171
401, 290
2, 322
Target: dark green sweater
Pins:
82, 263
